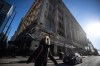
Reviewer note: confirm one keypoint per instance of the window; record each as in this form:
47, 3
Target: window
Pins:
61, 25
50, 9
52, 2
61, 18
60, 32
47, 5
59, 10
49, 17
48, 25
1, 6
46, 14
60, 28
2, 16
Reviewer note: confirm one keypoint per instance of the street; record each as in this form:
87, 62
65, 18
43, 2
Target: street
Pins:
20, 61
91, 61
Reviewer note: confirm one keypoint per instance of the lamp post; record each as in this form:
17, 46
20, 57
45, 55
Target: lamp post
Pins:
64, 47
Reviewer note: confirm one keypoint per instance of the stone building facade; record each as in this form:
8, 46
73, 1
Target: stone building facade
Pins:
51, 17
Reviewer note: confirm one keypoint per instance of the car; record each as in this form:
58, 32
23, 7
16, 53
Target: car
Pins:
72, 59
78, 58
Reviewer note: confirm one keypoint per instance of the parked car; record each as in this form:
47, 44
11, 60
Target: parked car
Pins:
72, 59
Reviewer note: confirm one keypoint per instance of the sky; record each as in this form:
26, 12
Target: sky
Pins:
86, 12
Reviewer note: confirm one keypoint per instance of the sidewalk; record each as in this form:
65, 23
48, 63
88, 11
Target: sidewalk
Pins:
20, 61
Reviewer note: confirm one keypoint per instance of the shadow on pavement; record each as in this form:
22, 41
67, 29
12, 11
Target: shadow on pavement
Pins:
62, 64
14, 62
21, 62
17, 62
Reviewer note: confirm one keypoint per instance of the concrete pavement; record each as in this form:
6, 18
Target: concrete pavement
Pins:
21, 61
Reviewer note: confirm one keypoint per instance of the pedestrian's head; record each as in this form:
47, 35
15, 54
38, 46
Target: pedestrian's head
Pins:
47, 40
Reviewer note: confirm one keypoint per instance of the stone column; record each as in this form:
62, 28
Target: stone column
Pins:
70, 29
55, 49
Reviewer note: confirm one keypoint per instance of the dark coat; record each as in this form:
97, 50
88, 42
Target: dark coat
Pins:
41, 54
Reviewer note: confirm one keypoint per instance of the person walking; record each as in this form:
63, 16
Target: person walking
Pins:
41, 54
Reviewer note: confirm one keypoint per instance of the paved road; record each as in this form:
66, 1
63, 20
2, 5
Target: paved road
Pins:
91, 61
88, 61
20, 61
